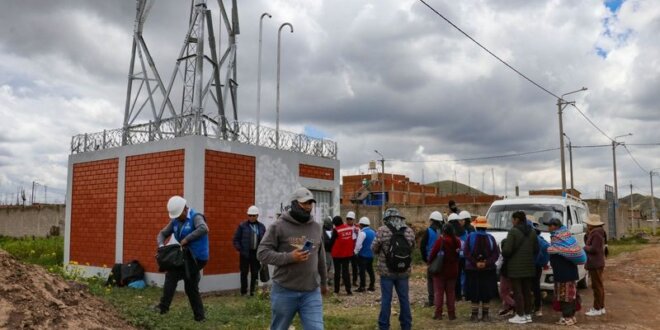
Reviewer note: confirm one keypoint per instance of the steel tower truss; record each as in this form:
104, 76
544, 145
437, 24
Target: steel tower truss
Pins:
192, 117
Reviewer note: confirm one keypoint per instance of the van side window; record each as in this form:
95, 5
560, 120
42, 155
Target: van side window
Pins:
582, 215
569, 216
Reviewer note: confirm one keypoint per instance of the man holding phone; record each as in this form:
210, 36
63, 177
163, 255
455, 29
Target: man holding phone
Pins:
294, 245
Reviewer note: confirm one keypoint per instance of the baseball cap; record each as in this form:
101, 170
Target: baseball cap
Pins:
303, 195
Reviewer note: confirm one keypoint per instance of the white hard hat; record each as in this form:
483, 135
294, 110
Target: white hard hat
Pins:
454, 217
350, 215
464, 215
253, 210
436, 216
364, 221
175, 206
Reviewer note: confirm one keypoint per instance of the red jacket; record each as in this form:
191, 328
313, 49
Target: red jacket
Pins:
343, 243
450, 246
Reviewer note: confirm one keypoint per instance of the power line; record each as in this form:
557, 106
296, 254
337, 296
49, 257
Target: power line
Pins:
591, 122
633, 158
489, 52
592, 146
476, 158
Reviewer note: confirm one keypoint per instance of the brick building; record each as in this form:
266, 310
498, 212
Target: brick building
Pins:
116, 198
398, 190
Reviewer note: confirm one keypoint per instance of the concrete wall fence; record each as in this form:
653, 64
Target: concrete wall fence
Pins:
38, 220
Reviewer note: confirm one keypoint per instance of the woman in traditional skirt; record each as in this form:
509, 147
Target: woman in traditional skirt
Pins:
562, 252
481, 252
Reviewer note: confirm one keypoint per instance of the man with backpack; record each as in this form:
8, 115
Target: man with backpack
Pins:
189, 228
393, 245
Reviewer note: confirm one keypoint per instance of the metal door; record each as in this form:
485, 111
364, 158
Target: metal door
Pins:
323, 204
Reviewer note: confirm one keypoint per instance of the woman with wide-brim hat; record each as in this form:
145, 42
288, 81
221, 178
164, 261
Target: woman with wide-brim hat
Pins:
595, 241
481, 253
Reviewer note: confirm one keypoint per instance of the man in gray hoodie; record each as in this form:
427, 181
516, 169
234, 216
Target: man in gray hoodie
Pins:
300, 275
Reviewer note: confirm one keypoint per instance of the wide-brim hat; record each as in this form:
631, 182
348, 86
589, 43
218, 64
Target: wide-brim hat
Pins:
480, 222
594, 220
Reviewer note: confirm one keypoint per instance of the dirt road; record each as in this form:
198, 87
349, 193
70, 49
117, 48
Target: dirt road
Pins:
632, 285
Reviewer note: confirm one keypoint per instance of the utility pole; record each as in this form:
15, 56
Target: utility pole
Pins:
653, 212
631, 207
616, 186
382, 184
561, 104
570, 160
492, 175
32, 194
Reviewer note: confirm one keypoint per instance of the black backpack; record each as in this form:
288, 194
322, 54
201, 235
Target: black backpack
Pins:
114, 279
131, 272
398, 256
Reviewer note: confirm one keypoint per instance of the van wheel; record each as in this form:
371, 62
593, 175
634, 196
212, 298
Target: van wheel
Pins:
583, 283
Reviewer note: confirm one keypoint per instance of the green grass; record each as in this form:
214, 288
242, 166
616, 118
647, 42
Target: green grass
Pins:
626, 245
41, 251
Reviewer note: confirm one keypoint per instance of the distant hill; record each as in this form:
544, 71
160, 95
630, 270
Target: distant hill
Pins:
641, 202
449, 187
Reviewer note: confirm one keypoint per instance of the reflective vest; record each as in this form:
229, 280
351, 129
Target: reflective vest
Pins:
198, 247
344, 244
369, 236
432, 236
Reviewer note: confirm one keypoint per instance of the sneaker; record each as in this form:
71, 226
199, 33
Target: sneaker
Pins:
571, 321
372, 289
562, 321
360, 289
518, 319
538, 313
528, 318
593, 312
505, 311
602, 311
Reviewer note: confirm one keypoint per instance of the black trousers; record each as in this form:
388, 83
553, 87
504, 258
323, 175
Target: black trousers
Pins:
191, 286
459, 285
341, 270
366, 266
354, 268
536, 289
249, 265
522, 294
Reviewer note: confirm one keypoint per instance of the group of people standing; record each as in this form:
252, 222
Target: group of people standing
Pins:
468, 268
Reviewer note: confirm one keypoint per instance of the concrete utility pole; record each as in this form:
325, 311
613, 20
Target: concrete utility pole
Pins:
653, 212
561, 104
570, 160
631, 207
382, 184
616, 186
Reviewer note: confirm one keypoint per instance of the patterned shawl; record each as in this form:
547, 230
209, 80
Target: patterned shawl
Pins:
564, 244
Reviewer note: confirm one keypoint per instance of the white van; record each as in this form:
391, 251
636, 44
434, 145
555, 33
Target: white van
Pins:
571, 210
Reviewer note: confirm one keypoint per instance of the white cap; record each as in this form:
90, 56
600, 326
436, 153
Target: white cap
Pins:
175, 206
303, 195
364, 221
436, 216
464, 215
350, 215
253, 210
454, 217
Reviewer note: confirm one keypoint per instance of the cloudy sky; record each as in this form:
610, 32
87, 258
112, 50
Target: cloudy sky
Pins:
370, 74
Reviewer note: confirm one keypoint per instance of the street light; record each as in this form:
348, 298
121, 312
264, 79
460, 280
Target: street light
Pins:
382, 184
616, 186
277, 121
570, 160
653, 213
261, 22
561, 104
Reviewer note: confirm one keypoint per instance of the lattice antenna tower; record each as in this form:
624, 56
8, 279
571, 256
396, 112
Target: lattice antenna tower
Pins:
190, 115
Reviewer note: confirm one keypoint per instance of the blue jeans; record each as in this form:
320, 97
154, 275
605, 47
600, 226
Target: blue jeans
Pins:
284, 304
400, 283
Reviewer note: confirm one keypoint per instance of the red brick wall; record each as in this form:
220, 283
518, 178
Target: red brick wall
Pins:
228, 192
151, 179
316, 172
94, 212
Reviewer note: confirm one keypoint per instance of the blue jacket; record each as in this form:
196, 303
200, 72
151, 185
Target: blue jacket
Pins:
542, 257
369, 236
199, 247
432, 237
242, 237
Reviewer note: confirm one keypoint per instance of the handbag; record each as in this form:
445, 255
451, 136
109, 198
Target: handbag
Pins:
264, 275
435, 267
170, 257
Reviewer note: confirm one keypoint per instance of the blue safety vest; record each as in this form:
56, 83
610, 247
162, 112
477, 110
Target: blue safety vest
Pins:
198, 247
369, 236
433, 236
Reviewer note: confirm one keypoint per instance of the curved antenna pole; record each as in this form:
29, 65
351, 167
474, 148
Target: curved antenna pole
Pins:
277, 104
261, 22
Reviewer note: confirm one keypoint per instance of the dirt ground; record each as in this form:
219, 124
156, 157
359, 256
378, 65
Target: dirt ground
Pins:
632, 287
32, 298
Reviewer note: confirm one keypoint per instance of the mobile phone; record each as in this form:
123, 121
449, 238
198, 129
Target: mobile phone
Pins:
308, 246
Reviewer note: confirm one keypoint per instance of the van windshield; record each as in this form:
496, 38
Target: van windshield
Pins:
499, 216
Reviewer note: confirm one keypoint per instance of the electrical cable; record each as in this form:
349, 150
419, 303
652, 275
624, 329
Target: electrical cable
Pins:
591, 122
633, 158
475, 158
489, 52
